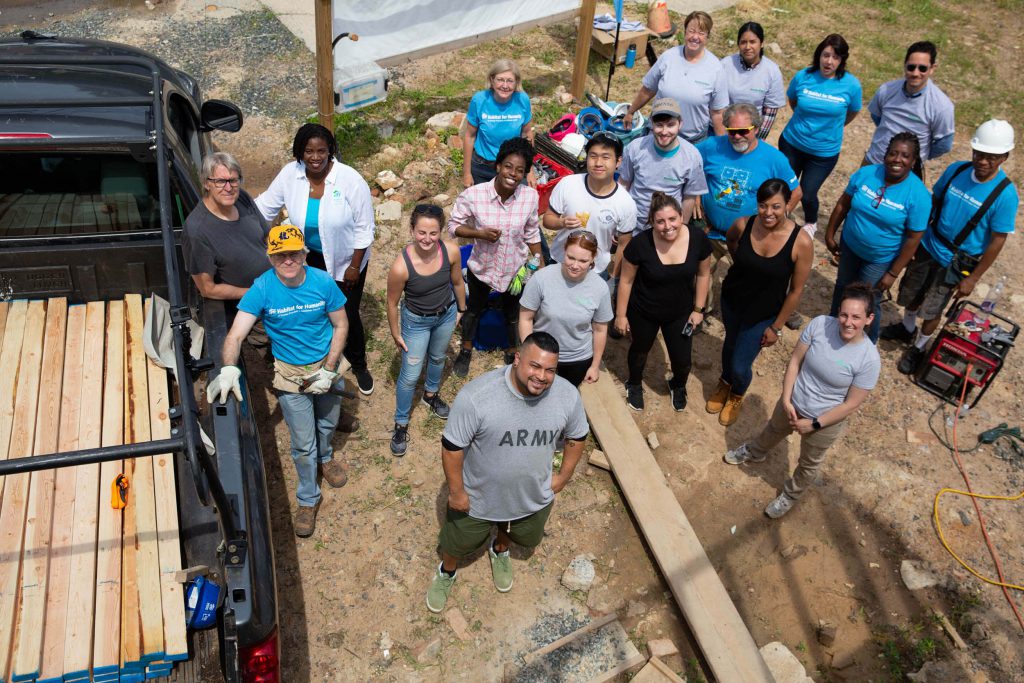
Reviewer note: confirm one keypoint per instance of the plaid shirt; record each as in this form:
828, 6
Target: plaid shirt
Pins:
496, 263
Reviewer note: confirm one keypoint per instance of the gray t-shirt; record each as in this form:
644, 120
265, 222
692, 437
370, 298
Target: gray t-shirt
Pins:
927, 114
831, 366
646, 168
232, 252
698, 88
566, 310
508, 440
608, 215
761, 86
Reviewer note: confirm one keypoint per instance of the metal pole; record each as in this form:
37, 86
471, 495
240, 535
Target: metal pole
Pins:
89, 456
614, 59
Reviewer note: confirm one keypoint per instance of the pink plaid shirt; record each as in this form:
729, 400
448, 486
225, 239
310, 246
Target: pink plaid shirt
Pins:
496, 263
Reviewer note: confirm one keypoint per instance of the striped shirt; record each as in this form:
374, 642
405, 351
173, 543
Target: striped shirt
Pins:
479, 206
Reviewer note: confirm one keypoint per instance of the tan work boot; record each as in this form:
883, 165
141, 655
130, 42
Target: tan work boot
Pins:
304, 522
718, 399
334, 472
731, 411
348, 423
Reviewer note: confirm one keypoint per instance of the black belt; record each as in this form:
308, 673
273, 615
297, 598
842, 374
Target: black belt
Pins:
435, 313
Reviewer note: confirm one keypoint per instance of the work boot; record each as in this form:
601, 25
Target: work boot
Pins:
910, 360
304, 522
897, 331
334, 473
717, 401
440, 589
731, 411
510, 357
460, 368
348, 423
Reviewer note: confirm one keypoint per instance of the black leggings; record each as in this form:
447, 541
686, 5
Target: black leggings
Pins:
479, 293
355, 344
575, 371
643, 331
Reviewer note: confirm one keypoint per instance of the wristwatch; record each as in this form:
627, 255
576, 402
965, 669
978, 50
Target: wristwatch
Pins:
816, 424
776, 330
700, 309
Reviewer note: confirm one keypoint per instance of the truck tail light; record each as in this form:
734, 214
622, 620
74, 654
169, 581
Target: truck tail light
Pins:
24, 136
261, 663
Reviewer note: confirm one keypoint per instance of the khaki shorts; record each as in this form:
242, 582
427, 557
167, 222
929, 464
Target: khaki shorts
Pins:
923, 287
461, 534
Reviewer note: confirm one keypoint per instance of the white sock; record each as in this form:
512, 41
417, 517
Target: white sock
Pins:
922, 341
910, 320
810, 229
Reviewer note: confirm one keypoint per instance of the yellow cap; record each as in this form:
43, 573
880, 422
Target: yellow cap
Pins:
284, 238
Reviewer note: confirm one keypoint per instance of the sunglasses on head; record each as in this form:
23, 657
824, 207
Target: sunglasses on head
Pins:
740, 131
582, 235
428, 210
917, 67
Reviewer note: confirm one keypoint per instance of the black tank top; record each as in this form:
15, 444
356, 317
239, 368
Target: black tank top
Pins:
429, 294
756, 286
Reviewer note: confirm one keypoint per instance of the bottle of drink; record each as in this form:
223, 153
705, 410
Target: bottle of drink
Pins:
990, 301
631, 56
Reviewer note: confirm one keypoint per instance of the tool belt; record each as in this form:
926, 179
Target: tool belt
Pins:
288, 377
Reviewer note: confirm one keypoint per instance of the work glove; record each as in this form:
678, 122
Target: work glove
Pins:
522, 275
319, 382
225, 381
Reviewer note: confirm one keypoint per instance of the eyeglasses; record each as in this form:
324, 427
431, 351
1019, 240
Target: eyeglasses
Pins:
285, 256
581, 235
878, 197
696, 32
505, 81
221, 182
917, 67
740, 131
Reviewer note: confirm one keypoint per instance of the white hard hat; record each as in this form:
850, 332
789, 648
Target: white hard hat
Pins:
573, 143
995, 136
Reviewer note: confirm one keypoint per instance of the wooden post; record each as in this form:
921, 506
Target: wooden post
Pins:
324, 16
579, 65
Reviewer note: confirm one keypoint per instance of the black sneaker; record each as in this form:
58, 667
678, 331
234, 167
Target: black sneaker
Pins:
436, 405
364, 380
461, 365
400, 440
635, 396
910, 359
510, 357
897, 332
678, 398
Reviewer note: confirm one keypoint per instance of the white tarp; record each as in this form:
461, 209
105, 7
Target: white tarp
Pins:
390, 29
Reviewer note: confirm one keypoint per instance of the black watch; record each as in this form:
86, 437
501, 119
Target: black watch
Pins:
816, 424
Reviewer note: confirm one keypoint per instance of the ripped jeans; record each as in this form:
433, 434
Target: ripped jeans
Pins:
427, 338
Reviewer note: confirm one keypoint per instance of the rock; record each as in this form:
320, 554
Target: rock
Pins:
445, 120
791, 552
652, 441
932, 672
978, 633
774, 47
457, 623
416, 169
916, 576
783, 664
413, 191
965, 518
579, 575
636, 609
387, 180
827, 633
441, 199
427, 651
455, 142
662, 648
390, 192
389, 211
564, 98
374, 191
417, 483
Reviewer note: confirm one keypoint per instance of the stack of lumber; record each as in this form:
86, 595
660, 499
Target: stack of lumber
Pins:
49, 214
86, 590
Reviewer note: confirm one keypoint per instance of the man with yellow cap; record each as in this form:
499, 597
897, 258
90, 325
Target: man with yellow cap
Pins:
303, 312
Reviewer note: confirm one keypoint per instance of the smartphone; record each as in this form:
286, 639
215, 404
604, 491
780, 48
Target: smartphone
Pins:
688, 329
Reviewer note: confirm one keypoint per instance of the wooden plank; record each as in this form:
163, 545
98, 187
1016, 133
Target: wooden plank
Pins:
656, 671
3, 319
584, 30
16, 487
49, 217
35, 561
58, 591
551, 647
727, 645
10, 358
19, 215
598, 459
76, 652
104, 213
169, 546
107, 633
142, 507
634, 661
65, 214
83, 216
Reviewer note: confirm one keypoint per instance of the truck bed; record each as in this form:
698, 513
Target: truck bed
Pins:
87, 590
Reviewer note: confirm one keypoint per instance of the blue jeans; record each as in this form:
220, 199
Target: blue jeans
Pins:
853, 268
311, 420
740, 349
425, 336
812, 171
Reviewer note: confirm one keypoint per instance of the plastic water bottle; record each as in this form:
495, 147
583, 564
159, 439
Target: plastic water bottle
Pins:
991, 300
631, 56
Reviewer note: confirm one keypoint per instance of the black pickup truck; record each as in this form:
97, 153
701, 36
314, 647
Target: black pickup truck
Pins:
89, 121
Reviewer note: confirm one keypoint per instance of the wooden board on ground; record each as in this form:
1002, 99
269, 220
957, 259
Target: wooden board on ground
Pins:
16, 487
10, 357
597, 458
656, 671
724, 639
3, 319
35, 562
568, 638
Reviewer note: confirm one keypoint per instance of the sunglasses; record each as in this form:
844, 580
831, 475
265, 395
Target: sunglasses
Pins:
740, 131
581, 235
917, 67
878, 197
432, 210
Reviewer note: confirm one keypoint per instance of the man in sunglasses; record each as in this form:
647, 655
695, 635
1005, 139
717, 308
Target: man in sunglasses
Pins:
913, 103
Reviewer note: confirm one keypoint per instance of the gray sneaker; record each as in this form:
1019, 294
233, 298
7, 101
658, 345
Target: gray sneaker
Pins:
440, 588
436, 405
501, 570
742, 454
780, 506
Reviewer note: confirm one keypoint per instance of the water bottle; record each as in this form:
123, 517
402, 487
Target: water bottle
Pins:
990, 302
631, 56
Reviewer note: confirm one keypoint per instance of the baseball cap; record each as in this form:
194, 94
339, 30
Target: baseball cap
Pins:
666, 106
284, 238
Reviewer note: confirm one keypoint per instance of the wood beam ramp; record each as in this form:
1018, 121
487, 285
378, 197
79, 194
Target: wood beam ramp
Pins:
724, 639
87, 591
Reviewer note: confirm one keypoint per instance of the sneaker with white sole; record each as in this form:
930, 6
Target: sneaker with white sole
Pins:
780, 506
742, 454
440, 589
364, 380
437, 405
635, 396
501, 569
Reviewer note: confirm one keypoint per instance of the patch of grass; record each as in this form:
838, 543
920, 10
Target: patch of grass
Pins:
694, 674
960, 611
906, 649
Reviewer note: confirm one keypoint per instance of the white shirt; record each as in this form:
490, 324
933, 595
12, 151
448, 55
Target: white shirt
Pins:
608, 215
346, 211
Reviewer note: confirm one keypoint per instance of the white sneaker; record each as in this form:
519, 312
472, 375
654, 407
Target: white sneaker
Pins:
740, 455
780, 506
810, 229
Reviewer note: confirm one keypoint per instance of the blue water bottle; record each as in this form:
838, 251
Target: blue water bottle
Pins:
630, 56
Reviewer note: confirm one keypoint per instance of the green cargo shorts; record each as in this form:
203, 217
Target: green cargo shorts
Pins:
461, 534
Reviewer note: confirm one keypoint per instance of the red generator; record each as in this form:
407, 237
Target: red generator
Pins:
971, 347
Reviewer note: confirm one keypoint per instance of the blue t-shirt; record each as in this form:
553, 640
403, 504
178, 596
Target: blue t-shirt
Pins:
497, 122
821, 108
733, 179
963, 198
295, 317
312, 231
875, 227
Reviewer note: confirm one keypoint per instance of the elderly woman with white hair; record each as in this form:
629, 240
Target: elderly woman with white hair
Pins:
495, 115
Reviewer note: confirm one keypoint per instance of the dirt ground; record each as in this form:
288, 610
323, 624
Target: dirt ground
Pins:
352, 596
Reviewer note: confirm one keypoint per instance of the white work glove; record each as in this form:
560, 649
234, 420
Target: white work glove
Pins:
320, 382
226, 380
